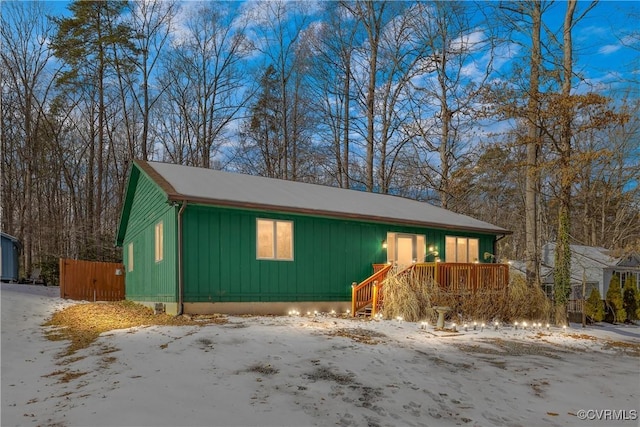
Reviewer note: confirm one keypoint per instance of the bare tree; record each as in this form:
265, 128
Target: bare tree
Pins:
152, 22
444, 95
371, 15
278, 29
533, 144
27, 87
204, 82
527, 17
603, 197
261, 150
562, 270
332, 45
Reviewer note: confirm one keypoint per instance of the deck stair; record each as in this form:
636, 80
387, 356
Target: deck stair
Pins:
365, 311
364, 294
367, 297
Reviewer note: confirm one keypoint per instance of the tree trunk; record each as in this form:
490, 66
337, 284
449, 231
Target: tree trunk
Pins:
372, 21
347, 106
532, 184
562, 273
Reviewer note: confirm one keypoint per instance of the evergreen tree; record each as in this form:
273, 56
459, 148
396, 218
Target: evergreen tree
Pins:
95, 43
594, 307
262, 136
630, 298
637, 305
614, 300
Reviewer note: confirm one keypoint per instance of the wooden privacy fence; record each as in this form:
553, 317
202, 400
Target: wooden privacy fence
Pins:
91, 280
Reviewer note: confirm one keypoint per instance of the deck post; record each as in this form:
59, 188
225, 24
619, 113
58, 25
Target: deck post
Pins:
374, 299
353, 298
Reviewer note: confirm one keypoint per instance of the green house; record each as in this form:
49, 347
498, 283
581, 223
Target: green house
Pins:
203, 241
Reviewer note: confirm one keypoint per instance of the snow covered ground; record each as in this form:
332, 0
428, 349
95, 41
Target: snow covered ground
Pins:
317, 371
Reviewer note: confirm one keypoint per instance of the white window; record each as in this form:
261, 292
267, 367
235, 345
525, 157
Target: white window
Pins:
159, 242
274, 239
130, 257
461, 249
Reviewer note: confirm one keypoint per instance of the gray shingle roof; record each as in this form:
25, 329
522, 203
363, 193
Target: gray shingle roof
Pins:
587, 261
215, 187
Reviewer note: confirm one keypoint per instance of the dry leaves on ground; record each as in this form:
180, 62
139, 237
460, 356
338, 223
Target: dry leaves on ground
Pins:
360, 335
82, 324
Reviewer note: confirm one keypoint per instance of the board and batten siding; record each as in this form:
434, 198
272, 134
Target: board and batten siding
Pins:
150, 280
220, 262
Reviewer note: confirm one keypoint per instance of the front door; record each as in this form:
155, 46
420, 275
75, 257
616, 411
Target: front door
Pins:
405, 249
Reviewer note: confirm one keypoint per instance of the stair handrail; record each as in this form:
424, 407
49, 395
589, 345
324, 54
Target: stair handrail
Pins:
365, 289
377, 289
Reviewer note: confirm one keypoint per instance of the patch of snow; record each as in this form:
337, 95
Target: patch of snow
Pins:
313, 371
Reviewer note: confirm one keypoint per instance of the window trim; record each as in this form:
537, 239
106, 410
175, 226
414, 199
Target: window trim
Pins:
274, 231
159, 242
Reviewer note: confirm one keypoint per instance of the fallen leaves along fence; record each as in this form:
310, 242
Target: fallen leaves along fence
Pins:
91, 280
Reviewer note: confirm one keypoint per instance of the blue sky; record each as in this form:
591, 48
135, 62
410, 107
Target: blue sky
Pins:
606, 44
605, 53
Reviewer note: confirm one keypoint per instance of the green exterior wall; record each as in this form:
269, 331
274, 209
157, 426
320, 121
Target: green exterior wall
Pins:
150, 280
219, 252
220, 262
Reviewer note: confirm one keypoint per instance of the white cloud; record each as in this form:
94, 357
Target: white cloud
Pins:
468, 42
504, 53
609, 49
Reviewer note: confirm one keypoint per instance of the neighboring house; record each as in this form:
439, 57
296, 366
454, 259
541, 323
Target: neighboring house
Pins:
9, 257
587, 264
201, 241
625, 268
592, 265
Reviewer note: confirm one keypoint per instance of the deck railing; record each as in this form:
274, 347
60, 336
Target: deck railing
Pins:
458, 278
469, 278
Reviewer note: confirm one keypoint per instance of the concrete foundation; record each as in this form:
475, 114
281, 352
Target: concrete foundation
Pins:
252, 308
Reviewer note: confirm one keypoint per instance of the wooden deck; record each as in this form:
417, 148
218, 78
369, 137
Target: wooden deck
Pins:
456, 278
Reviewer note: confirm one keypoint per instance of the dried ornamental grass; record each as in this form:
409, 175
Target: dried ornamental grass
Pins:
413, 299
407, 297
82, 324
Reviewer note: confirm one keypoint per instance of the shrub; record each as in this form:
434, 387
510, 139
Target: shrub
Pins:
614, 300
50, 270
594, 307
526, 302
630, 298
